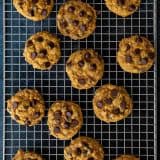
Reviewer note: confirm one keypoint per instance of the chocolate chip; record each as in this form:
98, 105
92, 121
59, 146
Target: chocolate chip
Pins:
15, 105
48, 2
34, 1
127, 47
137, 51
116, 111
44, 12
74, 123
114, 93
71, 9
75, 22
93, 67
57, 114
151, 55
108, 100
83, 27
91, 158
82, 13
47, 64
37, 114
128, 59
26, 107
33, 55
29, 43
87, 56
33, 102
139, 39
123, 104
27, 122
31, 12
144, 61
81, 63
69, 114
51, 45
64, 23
81, 81
56, 130
100, 104
78, 151
39, 39
16, 117
66, 125
121, 2
42, 53
132, 7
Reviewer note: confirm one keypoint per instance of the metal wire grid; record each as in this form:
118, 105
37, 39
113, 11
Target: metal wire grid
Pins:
133, 135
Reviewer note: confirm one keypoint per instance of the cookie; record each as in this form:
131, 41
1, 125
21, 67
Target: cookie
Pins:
84, 148
26, 107
35, 10
21, 155
42, 50
76, 19
127, 157
123, 8
82, 66
136, 54
112, 103
64, 119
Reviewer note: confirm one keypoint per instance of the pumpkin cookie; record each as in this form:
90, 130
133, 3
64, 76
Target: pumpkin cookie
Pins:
76, 19
112, 103
84, 148
123, 8
64, 119
136, 54
127, 157
21, 155
84, 68
26, 107
42, 50
35, 10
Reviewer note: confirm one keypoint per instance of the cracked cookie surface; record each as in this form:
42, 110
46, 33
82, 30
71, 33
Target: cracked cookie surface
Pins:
76, 19
26, 107
136, 54
127, 157
21, 155
82, 66
35, 10
123, 8
42, 50
112, 103
64, 119
84, 148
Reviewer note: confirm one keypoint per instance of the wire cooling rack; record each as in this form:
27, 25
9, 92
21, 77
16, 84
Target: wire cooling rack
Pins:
134, 135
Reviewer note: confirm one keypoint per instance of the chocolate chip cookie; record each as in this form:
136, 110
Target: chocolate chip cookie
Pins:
82, 66
112, 103
123, 8
127, 157
35, 10
84, 148
136, 54
21, 155
42, 50
26, 107
64, 119
76, 19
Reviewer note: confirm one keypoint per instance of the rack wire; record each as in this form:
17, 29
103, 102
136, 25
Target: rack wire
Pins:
134, 135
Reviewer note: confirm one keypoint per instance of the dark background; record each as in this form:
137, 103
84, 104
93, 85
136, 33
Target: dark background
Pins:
1, 71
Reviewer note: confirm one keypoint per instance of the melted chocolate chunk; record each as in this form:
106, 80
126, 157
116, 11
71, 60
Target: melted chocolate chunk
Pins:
33, 55
37, 114
137, 51
42, 53
34, 1
39, 39
121, 2
64, 24
87, 56
75, 22
51, 45
100, 104
82, 13
31, 12
116, 111
15, 105
71, 9
66, 125
29, 43
27, 122
108, 101
91, 158
47, 64
74, 123
151, 55
128, 59
81, 63
26, 107
57, 114
128, 47
81, 81
78, 151
57, 130
139, 39
93, 67
144, 61
16, 117
114, 93
123, 104
44, 12
69, 114
48, 2
33, 102
132, 7
83, 27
